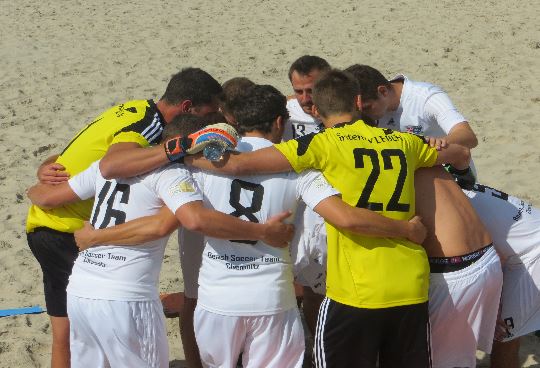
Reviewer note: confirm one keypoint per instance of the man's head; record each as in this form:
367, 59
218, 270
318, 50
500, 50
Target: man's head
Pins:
303, 73
335, 93
232, 89
192, 91
374, 89
263, 109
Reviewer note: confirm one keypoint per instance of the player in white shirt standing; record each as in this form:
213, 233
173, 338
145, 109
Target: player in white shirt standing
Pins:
113, 302
514, 226
309, 244
246, 295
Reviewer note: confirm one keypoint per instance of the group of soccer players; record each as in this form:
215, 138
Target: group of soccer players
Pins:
371, 294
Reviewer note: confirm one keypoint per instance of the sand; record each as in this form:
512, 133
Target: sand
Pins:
65, 62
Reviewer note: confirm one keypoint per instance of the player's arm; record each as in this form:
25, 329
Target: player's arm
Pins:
454, 154
51, 172
128, 159
49, 196
264, 161
134, 232
365, 222
195, 217
440, 108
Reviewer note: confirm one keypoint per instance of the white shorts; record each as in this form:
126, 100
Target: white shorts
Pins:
463, 307
191, 246
310, 253
521, 294
265, 341
110, 333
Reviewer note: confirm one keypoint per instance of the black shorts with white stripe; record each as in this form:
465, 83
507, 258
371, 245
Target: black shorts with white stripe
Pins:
357, 337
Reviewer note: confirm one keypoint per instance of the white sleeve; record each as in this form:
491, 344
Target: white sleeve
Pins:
440, 108
176, 187
84, 183
312, 187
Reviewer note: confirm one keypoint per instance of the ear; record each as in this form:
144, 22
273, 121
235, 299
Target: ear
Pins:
315, 112
358, 103
383, 91
280, 123
185, 106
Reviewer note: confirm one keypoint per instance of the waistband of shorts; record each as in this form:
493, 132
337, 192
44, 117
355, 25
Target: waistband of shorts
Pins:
456, 263
49, 230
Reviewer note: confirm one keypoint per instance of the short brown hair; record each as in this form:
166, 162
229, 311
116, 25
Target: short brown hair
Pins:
368, 79
335, 93
308, 63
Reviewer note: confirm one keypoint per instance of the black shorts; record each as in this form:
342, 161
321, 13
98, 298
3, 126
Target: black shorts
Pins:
56, 252
396, 337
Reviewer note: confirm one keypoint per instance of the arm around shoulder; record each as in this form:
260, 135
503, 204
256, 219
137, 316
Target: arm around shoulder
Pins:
128, 159
49, 196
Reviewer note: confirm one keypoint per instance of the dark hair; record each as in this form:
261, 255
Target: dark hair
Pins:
213, 118
232, 89
335, 93
192, 84
258, 108
306, 64
368, 79
183, 124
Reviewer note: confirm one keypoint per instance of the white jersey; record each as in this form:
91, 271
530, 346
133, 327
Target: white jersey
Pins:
299, 123
129, 273
244, 278
514, 225
423, 109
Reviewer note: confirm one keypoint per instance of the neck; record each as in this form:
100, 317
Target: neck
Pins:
332, 120
166, 111
258, 134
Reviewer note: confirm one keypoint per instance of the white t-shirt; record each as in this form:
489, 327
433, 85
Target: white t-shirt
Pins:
129, 273
250, 279
299, 123
514, 225
423, 109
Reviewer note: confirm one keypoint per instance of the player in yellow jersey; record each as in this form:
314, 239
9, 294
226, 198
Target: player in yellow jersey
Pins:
125, 130
377, 289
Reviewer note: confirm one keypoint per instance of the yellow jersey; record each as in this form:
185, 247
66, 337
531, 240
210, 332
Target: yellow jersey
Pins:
135, 121
372, 168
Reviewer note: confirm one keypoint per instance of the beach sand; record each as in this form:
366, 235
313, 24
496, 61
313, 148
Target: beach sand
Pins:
65, 62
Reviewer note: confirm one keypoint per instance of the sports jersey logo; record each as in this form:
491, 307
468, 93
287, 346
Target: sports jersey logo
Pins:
182, 187
414, 129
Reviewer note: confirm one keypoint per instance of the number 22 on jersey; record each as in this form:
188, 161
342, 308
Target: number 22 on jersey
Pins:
360, 157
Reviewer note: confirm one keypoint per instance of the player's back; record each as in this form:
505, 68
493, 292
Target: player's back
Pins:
372, 168
513, 223
454, 227
247, 277
121, 272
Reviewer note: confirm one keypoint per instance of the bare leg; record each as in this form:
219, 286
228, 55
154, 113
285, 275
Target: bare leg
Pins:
187, 333
60, 356
311, 303
505, 354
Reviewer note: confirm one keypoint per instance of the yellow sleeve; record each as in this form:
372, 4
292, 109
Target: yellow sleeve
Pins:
426, 155
304, 153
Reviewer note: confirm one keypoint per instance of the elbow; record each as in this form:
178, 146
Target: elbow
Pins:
192, 222
106, 169
165, 229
